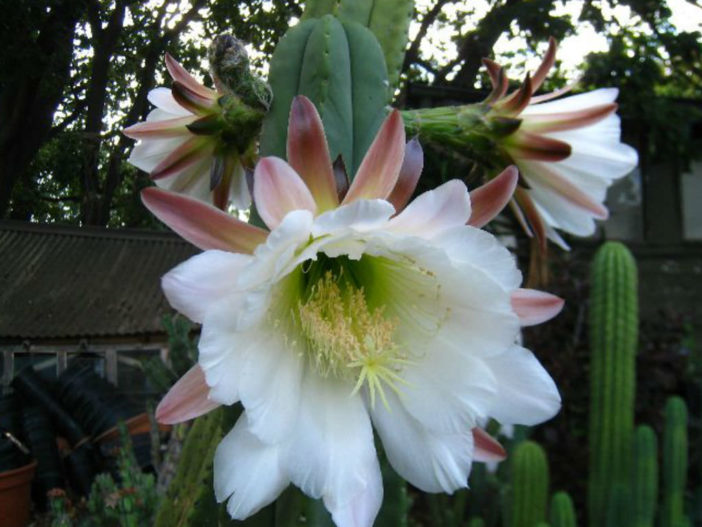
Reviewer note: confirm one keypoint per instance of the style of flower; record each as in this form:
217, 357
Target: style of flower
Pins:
195, 140
568, 151
355, 310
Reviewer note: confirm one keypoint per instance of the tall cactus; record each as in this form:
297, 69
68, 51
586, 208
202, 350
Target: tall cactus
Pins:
613, 340
674, 463
340, 67
645, 477
562, 513
526, 505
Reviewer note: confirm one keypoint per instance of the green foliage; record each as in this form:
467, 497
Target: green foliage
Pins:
528, 493
130, 500
644, 477
562, 513
674, 463
613, 340
340, 68
476, 522
190, 498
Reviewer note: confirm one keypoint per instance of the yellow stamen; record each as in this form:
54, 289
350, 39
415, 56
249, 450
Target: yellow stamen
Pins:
345, 337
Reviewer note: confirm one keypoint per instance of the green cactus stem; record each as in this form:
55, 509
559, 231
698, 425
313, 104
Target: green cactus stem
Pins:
674, 463
190, 498
645, 477
527, 502
613, 340
562, 512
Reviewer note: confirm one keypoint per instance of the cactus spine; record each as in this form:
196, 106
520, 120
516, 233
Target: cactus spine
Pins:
613, 340
562, 513
674, 463
529, 490
645, 477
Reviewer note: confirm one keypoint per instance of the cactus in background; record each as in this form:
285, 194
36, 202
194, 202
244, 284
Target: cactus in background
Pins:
389, 21
526, 505
340, 68
674, 463
562, 513
645, 477
190, 498
613, 340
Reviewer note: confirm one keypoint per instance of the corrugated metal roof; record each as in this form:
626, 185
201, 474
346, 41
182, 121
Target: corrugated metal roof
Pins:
58, 281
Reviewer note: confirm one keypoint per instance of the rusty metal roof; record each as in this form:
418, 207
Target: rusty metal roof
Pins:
83, 282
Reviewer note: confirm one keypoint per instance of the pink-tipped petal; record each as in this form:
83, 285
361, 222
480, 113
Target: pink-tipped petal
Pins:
529, 145
160, 129
498, 78
534, 307
536, 99
411, 169
308, 153
545, 66
571, 192
180, 74
187, 399
556, 122
380, 168
191, 100
201, 224
485, 447
183, 157
279, 190
518, 100
488, 200
534, 219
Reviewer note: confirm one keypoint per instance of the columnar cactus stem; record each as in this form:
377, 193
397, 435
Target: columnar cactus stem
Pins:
674, 463
529, 490
645, 476
562, 513
613, 340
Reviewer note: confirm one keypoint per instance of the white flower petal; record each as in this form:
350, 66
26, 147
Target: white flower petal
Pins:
196, 284
275, 258
148, 153
468, 245
362, 509
247, 472
331, 453
573, 102
163, 99
436, 301
359, 216
429, 460
447, 391
526, 394
228, 336
434, 211
269, 387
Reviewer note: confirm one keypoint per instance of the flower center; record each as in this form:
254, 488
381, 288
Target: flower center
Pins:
344, 336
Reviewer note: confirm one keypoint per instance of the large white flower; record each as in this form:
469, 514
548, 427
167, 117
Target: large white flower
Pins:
350, 315
568, 151
187, 144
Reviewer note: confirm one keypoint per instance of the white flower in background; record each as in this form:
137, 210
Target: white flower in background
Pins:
353, 312
568, 151
189, 145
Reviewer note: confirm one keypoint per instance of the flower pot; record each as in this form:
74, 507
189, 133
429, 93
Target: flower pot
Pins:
14, 495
